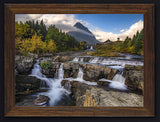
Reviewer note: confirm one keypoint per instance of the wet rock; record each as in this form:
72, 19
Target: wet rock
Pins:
94, 96
25, 85
91, 72
46, 55
24, 65
41, 100
64, 82
134, 78
70, 69
35, 56
50, 72
95, 72
103, 83
86, 59
62, 58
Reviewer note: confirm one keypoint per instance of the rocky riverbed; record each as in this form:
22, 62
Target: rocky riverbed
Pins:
78, 79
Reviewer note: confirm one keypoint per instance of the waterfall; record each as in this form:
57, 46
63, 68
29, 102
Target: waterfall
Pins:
76, 59
91, 48
81, 59
94, 60
36, 72
80, 74
56, 92
60, 73
118, 82
80, 78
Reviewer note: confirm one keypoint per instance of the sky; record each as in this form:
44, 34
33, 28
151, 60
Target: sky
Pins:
103, 26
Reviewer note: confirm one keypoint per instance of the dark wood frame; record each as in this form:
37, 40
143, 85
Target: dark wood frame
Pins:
149, 59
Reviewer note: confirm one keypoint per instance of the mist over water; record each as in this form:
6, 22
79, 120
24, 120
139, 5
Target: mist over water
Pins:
56, 91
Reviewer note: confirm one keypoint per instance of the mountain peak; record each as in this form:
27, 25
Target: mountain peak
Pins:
82, 27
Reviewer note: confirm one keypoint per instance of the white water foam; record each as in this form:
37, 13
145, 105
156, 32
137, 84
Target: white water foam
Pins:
76, 59
91, 48
56, 91
80, 78
118, 82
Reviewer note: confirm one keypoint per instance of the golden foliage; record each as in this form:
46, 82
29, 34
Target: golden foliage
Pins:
35, 45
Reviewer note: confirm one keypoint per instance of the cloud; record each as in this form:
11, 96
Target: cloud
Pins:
122, 30
67, 28
103, 36
68, 19
65, 22
138, 26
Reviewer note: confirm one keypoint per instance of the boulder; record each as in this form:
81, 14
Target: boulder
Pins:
41, 100
134, 78
23, 65
93, 73
94, 96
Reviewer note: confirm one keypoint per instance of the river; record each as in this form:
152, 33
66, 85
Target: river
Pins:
57, 93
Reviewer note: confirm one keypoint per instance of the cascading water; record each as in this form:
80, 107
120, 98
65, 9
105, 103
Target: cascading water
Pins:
36, 72
56, 92
80, 74
91, 48
118, 82
80, 78
76, 59
81, 59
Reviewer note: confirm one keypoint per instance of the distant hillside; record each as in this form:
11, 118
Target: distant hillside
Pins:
84, 34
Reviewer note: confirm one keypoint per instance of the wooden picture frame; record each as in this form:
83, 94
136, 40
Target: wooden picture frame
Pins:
149, 59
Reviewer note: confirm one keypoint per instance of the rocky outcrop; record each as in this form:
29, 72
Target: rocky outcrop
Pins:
134, 78
62, 58
50, 72
95, 72
90, 72
70, 69
26, 85
41, 100
33, 55
94, 96
23, 65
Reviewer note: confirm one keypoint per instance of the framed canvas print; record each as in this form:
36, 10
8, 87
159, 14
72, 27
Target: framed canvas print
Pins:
79, 60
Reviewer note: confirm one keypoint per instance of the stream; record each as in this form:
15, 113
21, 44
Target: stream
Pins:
57, 93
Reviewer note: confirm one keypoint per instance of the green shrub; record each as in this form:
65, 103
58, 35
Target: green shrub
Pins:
45, 65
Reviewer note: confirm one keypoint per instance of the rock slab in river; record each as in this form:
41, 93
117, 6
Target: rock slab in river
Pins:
41, 100
134, 78
25, 85
91, 72
86, 95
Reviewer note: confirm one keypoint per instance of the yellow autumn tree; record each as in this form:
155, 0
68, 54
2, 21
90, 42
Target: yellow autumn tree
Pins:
33, 45
37, 44
51, 46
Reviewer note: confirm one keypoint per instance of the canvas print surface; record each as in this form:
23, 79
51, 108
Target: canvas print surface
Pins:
80, 60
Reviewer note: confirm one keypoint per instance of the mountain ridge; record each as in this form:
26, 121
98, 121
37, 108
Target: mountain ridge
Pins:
84, 34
